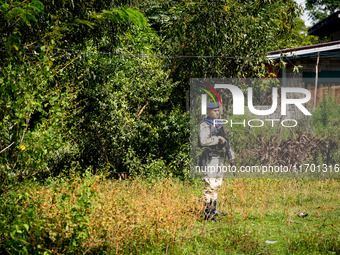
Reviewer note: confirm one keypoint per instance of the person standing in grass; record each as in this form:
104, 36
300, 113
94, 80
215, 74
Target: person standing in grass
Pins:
213, 138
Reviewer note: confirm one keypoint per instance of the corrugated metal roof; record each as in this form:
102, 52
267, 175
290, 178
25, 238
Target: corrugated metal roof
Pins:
304, 50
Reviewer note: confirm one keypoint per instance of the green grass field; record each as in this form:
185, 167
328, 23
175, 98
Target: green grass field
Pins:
95, 215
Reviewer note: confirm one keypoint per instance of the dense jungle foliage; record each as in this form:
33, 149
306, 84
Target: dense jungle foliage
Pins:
91, 91
103, 85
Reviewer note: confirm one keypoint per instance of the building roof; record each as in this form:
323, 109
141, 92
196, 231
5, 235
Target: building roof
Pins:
327, 26
326, 48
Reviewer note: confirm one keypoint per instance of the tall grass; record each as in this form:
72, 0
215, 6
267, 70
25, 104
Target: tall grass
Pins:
95, 215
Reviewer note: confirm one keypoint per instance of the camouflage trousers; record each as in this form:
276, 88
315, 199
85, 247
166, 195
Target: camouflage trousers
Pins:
212, 179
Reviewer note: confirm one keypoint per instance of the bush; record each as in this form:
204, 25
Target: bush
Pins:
90, 213
34, 112
326, 119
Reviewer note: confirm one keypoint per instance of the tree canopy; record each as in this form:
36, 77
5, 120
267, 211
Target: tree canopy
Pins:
320, 9
104, 84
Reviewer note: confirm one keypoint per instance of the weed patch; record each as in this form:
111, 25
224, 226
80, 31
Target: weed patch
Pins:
95, 215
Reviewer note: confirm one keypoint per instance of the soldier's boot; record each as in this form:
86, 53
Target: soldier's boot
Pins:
209, 211
217, 212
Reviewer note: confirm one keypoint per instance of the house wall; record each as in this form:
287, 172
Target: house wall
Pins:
325, 91
328, 68
335, 36
329, 76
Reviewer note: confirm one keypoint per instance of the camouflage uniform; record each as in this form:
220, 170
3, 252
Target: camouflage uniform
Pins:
212, 160
212, 179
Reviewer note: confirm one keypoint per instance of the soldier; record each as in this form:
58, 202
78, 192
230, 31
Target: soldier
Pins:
214, 139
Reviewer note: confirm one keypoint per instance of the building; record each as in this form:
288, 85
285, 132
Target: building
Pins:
329, 27
319, 64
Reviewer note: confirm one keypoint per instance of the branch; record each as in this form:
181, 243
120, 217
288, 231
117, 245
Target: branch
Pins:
17, 5
27, 45
6, 148
62, 69
143, 108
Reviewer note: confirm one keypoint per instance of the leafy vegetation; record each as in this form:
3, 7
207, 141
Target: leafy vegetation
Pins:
95, 215
85, 85
320, 9
93, 89
298, 37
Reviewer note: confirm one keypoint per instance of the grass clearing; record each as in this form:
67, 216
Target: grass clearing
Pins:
95, 215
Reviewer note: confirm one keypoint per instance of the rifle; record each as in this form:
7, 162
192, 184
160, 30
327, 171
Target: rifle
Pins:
226, 145
203, 157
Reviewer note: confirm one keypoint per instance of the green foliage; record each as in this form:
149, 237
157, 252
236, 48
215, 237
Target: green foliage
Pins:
320, 9
127, 118
232, 28
110, 100
66, 23
27, 229
15, 18
88, 85
233, 35
122, 14
298, 37
326, 120
33, 112
94, 215
43, 90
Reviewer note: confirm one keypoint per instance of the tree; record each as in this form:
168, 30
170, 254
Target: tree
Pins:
298, 37
90, 84
75, 94
233, 35
320, 9
41, 85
